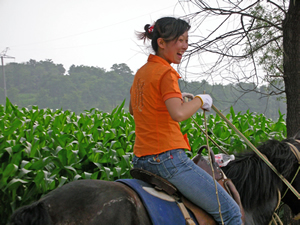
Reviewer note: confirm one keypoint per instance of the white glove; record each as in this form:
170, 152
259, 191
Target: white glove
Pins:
187, 95
206, 101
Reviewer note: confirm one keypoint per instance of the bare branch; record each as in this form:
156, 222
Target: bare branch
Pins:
279, 7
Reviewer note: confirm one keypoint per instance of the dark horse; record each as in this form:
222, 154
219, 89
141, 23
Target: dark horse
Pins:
105, 202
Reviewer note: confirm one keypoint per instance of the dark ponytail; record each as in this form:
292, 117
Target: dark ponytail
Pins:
146, 34
168, 28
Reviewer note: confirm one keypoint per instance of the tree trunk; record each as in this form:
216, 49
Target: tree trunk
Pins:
291, 65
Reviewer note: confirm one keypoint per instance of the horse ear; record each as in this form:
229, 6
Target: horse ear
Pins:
297, 135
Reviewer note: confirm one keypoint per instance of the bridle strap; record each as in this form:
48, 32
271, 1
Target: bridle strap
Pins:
295, 150
275, 215
297, 155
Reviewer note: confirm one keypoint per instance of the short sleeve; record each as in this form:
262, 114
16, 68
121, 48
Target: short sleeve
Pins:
169, 85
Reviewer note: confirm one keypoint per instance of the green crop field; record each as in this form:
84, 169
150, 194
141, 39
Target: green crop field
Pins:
42, 149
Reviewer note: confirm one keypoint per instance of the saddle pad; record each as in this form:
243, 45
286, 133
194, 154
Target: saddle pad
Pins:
161, 212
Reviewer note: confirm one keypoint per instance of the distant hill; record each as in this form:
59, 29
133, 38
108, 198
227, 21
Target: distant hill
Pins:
45, 84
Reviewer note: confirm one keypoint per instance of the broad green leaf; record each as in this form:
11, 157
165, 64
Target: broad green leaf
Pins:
15, 183
10, 170
37, 165
23, 172
71, 168
62, 181
15, 125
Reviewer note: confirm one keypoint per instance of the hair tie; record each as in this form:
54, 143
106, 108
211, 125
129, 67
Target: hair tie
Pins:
150, 29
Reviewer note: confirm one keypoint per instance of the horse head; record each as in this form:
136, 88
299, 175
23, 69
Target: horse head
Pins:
289, 198
260, 188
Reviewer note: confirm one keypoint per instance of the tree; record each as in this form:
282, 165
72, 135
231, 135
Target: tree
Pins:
122, 69
291, 65
249, 41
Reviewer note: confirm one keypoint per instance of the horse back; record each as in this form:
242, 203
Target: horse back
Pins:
85, 202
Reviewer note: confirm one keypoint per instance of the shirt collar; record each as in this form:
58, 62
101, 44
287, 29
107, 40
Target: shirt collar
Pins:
158, 59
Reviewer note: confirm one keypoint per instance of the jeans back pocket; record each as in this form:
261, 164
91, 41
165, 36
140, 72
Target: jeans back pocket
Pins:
162, 165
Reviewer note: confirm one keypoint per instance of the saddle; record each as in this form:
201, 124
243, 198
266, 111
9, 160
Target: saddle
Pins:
202, 216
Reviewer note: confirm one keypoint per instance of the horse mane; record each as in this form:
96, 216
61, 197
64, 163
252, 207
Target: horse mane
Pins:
253, 178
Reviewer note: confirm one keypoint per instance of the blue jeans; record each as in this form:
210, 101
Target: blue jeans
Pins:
193, 182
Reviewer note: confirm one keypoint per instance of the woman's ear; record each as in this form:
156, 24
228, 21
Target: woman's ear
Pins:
161, 43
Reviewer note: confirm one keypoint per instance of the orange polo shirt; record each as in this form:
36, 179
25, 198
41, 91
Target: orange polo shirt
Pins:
156, 131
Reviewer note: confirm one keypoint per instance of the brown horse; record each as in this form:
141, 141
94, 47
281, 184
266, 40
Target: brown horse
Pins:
105, 202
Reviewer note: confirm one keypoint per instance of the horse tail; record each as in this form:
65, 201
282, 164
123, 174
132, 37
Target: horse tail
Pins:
34, 214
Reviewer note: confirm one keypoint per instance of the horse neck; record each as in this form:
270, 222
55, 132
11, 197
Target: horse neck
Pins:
257, 185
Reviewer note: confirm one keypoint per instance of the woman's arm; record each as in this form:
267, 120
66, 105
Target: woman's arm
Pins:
179, 110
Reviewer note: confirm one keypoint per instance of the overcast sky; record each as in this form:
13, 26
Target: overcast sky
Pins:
81, 32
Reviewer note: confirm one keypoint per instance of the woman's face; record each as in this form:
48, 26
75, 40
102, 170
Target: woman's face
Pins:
172, 51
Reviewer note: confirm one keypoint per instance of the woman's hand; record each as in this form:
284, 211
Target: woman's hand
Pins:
180, 110
206, 101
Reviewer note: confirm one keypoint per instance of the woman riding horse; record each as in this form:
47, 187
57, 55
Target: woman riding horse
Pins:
157, 106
